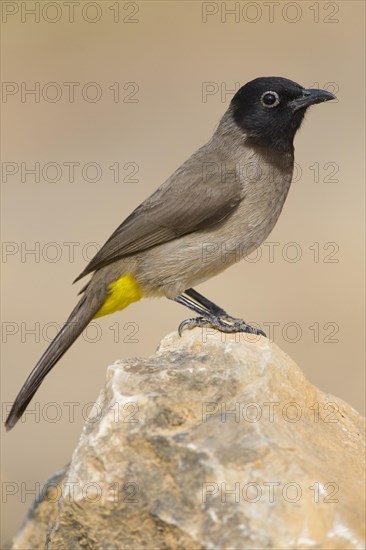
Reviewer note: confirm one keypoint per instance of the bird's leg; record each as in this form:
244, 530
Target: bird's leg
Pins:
214, 308
205, 302
211, 315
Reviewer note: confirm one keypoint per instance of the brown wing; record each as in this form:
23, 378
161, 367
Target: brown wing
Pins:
183, 204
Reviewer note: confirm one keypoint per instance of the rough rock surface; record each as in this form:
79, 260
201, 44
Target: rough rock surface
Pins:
215, 442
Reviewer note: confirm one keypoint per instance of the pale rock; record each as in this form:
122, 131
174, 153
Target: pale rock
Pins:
215, 442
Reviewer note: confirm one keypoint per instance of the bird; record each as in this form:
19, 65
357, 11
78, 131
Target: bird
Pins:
215, 209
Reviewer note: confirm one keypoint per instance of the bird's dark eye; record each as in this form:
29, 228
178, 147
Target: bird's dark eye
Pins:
270, 99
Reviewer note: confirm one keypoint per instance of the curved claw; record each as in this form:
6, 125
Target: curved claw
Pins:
182, 326
187, 323
241, 326
193, 322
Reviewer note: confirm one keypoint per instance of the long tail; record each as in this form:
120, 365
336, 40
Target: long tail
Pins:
77, 321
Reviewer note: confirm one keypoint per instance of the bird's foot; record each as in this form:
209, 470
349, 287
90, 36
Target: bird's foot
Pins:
226, 324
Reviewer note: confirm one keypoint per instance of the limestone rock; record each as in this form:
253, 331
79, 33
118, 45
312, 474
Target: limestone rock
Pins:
41, 516
215, 442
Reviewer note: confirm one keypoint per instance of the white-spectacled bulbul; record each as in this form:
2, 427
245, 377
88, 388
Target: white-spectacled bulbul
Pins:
225, 198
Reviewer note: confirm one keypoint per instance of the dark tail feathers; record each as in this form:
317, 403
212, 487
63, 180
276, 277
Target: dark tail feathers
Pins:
79, 318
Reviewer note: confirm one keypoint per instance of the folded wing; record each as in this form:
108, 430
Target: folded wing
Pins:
183, 204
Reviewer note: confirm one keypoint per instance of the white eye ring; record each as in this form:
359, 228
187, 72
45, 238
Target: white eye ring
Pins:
270, 105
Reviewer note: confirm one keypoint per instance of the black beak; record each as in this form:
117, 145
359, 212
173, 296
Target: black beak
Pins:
311, 97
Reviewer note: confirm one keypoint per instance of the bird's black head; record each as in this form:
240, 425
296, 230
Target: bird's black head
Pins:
270, 110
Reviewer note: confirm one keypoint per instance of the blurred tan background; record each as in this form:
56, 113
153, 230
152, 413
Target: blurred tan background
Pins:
164, 71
